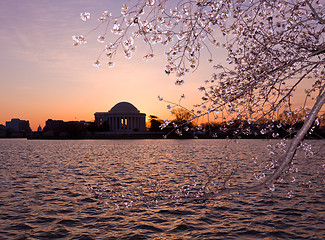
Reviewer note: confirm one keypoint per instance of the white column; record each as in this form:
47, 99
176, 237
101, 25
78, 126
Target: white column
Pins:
143, 123
132, 123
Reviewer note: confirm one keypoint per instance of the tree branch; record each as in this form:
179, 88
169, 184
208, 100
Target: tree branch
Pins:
286, 159
321, 20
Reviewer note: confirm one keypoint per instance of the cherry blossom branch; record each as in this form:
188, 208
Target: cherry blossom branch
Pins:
315, 14
290, 152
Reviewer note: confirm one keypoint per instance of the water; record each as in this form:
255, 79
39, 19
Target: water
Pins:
43, 191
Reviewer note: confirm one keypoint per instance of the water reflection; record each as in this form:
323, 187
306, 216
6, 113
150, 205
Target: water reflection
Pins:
43, 192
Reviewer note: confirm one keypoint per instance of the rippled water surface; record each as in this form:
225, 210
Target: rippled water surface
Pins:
43, 191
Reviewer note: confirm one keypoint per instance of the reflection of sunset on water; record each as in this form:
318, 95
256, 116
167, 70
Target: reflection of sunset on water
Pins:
47, 196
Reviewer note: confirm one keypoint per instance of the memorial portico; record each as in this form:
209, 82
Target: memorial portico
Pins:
123, 117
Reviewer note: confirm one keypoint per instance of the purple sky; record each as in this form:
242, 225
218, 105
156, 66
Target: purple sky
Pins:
42, 75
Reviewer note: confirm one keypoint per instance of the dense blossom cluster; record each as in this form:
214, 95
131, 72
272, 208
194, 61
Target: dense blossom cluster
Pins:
273, 47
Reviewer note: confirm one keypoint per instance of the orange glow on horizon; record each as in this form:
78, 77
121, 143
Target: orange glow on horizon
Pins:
43, 76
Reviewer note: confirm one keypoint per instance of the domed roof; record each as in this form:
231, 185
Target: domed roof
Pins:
124, 107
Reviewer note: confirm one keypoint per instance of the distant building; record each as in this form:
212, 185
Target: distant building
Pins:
61, 129
39, 129
19, 126
60, 125
53, 125
3, 131
122, 118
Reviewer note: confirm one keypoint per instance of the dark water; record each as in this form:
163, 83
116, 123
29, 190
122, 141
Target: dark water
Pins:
43, 191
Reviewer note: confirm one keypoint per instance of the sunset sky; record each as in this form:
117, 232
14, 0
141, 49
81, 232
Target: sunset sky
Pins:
43, 76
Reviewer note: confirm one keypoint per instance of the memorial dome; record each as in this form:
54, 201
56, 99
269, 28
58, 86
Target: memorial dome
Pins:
122, 118
124, 107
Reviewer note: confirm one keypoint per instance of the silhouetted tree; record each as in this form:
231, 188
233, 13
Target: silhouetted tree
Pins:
154, 123
182, 115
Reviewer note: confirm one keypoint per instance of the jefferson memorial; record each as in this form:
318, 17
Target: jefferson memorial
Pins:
122, 118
